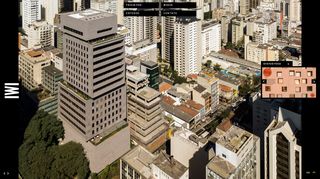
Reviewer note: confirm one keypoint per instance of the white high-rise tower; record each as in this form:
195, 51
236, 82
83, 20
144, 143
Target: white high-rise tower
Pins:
31, 12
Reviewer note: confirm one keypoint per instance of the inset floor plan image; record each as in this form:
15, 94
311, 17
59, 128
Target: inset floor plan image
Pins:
289, 82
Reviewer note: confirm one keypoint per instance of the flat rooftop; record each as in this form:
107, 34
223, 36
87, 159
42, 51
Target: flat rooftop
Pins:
194, 104
230, 79
234, 138
186, 20
60, 55
263, 20
149, 64
89, 14
208, 76
208, 24
34, 56
199, 88
169, 165
173, 92
52, 70
190, 136
140, 159
148, 93
134, 74
221, 167
181, 111
164, 87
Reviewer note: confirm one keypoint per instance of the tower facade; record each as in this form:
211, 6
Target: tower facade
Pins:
93, 94
187, 46
31, 12
92, 97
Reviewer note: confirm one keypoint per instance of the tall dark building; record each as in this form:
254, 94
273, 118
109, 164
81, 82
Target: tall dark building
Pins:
85, 4
66, 5
152, 70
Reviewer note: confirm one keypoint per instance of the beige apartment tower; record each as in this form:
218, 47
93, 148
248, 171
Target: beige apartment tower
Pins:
31, 64
187, 46
147, 127
167, 39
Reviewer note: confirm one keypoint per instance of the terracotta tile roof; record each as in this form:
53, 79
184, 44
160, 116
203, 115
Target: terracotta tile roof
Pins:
225, 125
168, 100
225, 88
194, 104
192, 76
187, 110
164, 87
35, 53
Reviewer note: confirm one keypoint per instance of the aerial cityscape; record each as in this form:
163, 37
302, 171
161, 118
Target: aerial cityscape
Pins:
134, 89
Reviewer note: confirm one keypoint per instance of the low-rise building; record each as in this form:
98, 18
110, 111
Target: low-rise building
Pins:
211, 84
228, 82
40, 34
164, 87
57, 60
48, 103
166, 167
31, 63
256, 52
226, 92
180, 114
237, 153
140, 163
50, 78
136, 163
203, 97
184, 144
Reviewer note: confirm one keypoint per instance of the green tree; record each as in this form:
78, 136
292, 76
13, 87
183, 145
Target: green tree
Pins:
70, 161
207, 15
217, 67
240, 44
245, 87
35, 160
159, 28
256, 80
44, 127
41, 157
178, 79
94, 176
229, 45
208, 63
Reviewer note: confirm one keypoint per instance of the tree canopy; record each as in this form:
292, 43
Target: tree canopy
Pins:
208, 63
217, 67
178, 79
40, 156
